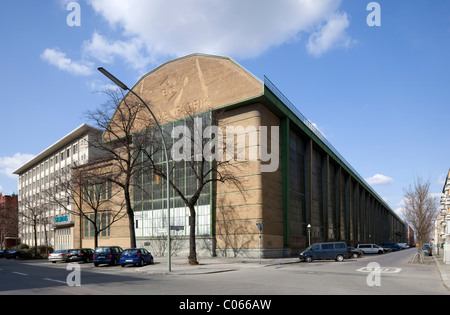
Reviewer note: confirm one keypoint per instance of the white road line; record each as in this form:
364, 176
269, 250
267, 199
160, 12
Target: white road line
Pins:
20, 274
58, 281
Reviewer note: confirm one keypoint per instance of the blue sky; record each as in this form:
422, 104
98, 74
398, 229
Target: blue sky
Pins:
380, 94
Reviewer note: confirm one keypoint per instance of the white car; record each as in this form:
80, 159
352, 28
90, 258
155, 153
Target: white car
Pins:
59, 255
370, 248
403, 245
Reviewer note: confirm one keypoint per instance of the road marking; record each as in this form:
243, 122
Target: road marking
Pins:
58, 281
381, 270
20, 274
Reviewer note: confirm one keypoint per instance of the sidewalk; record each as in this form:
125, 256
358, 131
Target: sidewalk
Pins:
444, 269
180, 265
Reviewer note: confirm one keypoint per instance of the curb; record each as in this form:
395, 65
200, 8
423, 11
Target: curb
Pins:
443, 273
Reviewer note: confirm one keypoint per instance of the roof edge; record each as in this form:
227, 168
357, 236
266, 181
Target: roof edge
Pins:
55, 146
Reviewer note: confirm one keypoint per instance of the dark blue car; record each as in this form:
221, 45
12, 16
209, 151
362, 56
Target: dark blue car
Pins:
107, 255
136, 256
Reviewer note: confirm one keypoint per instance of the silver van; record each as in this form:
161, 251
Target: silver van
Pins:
370, 248
331, 250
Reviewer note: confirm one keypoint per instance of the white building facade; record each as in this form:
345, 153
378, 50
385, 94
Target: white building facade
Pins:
41, 220
442, 223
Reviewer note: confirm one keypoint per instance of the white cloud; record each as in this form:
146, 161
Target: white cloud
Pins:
332, 34
59, 59
99, 86
10, 164
131, 51
234, 28
149, 32
379, 179
442, 178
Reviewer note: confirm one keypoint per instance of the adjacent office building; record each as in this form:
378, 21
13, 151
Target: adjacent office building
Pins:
45, 210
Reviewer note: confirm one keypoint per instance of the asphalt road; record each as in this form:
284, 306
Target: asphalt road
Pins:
393, 275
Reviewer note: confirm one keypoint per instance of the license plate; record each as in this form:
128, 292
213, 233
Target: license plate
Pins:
129, 260
101, 256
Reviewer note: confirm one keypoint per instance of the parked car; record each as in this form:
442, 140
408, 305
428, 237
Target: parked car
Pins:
354, 252
59, 255
332, 250
370, 248
136, 256
393, 246
107, 255
17, 254
426, 249
403, 245
83, 254
2, 253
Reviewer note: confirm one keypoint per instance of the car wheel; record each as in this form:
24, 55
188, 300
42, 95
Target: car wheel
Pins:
96, 264
308, 259
141, 263
123, 265
355, 255
339, 258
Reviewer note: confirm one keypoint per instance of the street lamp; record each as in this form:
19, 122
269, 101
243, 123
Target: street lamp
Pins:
309, 234
125, 88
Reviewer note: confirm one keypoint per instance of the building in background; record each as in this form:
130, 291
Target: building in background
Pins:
442, 222
411, 237
45, 211
9, 227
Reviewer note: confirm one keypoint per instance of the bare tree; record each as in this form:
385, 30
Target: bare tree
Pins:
420, 210
91, 192
35, 215
134, 145
120, 118
199, 154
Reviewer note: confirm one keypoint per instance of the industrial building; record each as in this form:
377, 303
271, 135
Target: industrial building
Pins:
294, 181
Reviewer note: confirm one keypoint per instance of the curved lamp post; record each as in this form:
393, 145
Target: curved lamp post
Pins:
125, 88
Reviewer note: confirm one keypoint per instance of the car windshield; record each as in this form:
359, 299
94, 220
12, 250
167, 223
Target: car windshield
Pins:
130, 251
314, 247
102, 250
59, 251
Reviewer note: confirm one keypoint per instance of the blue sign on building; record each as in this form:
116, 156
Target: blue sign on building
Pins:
61, 219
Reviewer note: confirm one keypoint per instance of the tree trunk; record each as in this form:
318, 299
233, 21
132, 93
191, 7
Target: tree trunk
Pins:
131, 227
130, 216
35, 241
192, 247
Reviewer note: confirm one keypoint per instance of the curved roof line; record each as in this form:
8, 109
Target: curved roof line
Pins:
193, 55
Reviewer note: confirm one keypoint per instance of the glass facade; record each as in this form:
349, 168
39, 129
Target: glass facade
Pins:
149, 191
